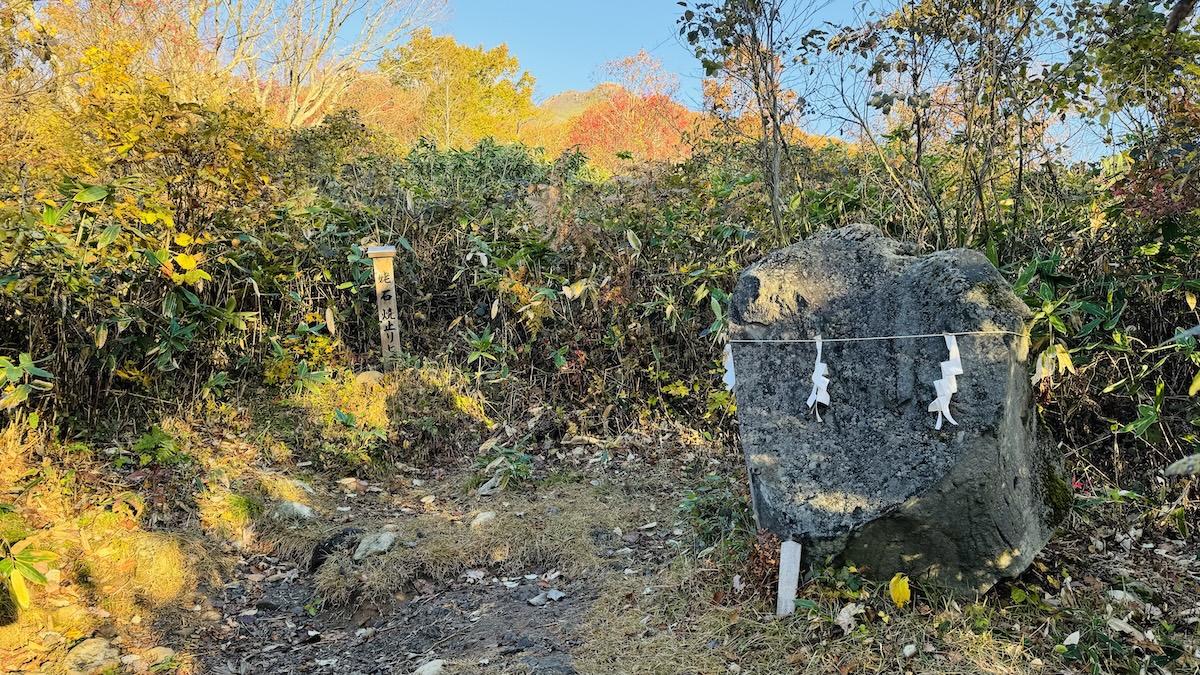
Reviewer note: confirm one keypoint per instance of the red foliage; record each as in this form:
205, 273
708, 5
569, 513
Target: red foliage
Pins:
1157, 193
647, 127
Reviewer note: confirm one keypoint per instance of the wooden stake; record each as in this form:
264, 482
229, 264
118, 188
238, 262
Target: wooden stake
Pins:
385, 296
789, 577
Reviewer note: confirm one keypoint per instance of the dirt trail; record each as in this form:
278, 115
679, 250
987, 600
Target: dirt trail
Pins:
512, 616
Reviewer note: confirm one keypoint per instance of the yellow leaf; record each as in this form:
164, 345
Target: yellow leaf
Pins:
1064, 359
1044, 368
899, 589
20, 591
1195, 385
1191, 300
183, 239
186, 261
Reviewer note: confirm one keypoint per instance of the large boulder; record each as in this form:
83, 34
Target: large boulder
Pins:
873, 481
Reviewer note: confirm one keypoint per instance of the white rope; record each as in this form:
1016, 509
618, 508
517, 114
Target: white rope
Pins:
878, 337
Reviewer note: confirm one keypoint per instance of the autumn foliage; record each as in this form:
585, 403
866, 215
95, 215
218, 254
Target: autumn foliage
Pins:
632, 127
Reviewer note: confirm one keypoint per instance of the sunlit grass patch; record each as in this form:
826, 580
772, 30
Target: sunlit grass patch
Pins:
413, 413
553, 529
1082, 608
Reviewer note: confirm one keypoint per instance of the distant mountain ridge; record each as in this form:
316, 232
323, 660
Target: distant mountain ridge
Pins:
565, 105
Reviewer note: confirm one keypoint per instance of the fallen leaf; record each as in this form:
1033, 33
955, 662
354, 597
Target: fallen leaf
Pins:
899, 589
845, 618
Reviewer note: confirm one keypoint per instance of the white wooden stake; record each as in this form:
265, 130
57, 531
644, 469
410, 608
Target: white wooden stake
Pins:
789, 577
385, 296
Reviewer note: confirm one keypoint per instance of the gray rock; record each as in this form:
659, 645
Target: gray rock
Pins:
873, 481
491, 487
432, 668
294, 511
374, 544
483, 520
91, 656
157, 655
368, 377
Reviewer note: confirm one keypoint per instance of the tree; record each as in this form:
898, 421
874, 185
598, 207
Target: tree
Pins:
763, 48
648, 128
384, 106
155, 37
25, 51
641, 118
298, 58
469, 93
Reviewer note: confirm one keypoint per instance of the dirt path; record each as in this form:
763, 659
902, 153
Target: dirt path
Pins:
490, 622
548, 554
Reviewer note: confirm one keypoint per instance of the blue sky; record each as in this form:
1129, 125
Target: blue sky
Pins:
563, 43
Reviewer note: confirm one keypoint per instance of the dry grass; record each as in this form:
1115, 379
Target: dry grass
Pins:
108, 568
294, 541
678, 631
692, 620
554, 531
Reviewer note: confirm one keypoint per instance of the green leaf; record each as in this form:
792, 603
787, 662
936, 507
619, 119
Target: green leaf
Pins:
15, 397
93, 194
806, 605
109, 235
29, 572
38, 372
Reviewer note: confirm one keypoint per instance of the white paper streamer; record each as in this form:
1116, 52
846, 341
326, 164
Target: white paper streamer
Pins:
820, 380
730, 377
948, 385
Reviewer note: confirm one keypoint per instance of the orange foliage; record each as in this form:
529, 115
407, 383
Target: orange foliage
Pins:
648, 128
385, 106
641, 119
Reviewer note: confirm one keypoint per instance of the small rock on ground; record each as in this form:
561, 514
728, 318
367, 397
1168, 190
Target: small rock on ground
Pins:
483, 520
431, 668
92, 656
374, 544
294, 511
158, 655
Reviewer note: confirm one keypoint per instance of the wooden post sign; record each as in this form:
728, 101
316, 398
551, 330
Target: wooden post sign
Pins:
385, 296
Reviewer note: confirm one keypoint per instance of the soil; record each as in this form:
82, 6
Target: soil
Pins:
267, 617
267, 628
